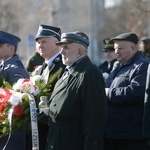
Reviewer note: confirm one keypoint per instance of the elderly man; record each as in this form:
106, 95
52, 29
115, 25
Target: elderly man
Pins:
125, 90
78, 102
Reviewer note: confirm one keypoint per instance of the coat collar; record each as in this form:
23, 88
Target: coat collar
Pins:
62, 83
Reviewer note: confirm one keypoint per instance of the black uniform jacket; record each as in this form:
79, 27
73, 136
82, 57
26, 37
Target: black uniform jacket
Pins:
54, 67
104, 66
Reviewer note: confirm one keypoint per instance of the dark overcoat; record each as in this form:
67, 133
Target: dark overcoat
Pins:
146, 118
78, 110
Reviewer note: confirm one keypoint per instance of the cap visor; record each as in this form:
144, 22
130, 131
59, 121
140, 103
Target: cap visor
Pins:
2, 42
64, 41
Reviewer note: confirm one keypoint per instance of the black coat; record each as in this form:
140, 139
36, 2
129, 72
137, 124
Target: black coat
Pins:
104, 66
78, 110
33, 61
146, 118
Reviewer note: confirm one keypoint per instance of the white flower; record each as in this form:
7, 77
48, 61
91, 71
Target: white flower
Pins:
36, 91
27, 86
16, 98
17, 86
37, 70
36, 78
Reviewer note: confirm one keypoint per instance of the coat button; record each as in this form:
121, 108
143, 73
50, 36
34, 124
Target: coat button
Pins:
54, 104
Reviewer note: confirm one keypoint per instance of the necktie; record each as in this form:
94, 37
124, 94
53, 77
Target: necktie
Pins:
1, 67
44, 65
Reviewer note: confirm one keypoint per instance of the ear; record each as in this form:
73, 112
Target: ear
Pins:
134, 48
12, 49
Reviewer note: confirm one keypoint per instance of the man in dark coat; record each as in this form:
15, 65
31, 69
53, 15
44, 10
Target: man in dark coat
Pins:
146, 118
12, 69
110, 55
46, 39
78, 102
125, 88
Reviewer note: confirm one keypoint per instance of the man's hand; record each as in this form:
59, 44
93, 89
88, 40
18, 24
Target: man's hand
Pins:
42, 118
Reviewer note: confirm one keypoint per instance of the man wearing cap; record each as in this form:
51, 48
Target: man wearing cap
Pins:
78, 102
12, 69
110, 56
46, 39
125, 88
144, 46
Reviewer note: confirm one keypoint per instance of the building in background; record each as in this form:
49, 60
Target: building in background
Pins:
69, 15
98, 20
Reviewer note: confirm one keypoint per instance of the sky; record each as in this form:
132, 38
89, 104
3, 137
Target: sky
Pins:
109, 3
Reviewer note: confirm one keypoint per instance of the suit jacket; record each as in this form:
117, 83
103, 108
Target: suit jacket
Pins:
78, 110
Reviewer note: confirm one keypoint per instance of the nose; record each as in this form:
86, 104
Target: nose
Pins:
116, 50
40, 45
107, 53
61, 50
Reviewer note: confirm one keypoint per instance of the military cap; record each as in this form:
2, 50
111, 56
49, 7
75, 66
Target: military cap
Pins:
47, 31
6, 37
132, 37
108, 45
145, 39
74, 37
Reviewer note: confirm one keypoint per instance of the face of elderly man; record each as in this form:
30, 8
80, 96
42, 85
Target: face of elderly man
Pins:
124, 50
71, 52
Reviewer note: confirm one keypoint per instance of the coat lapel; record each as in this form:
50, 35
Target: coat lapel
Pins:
45, 74
63, 83
48, 70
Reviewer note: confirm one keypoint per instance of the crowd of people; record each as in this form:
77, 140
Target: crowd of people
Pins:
92, 107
